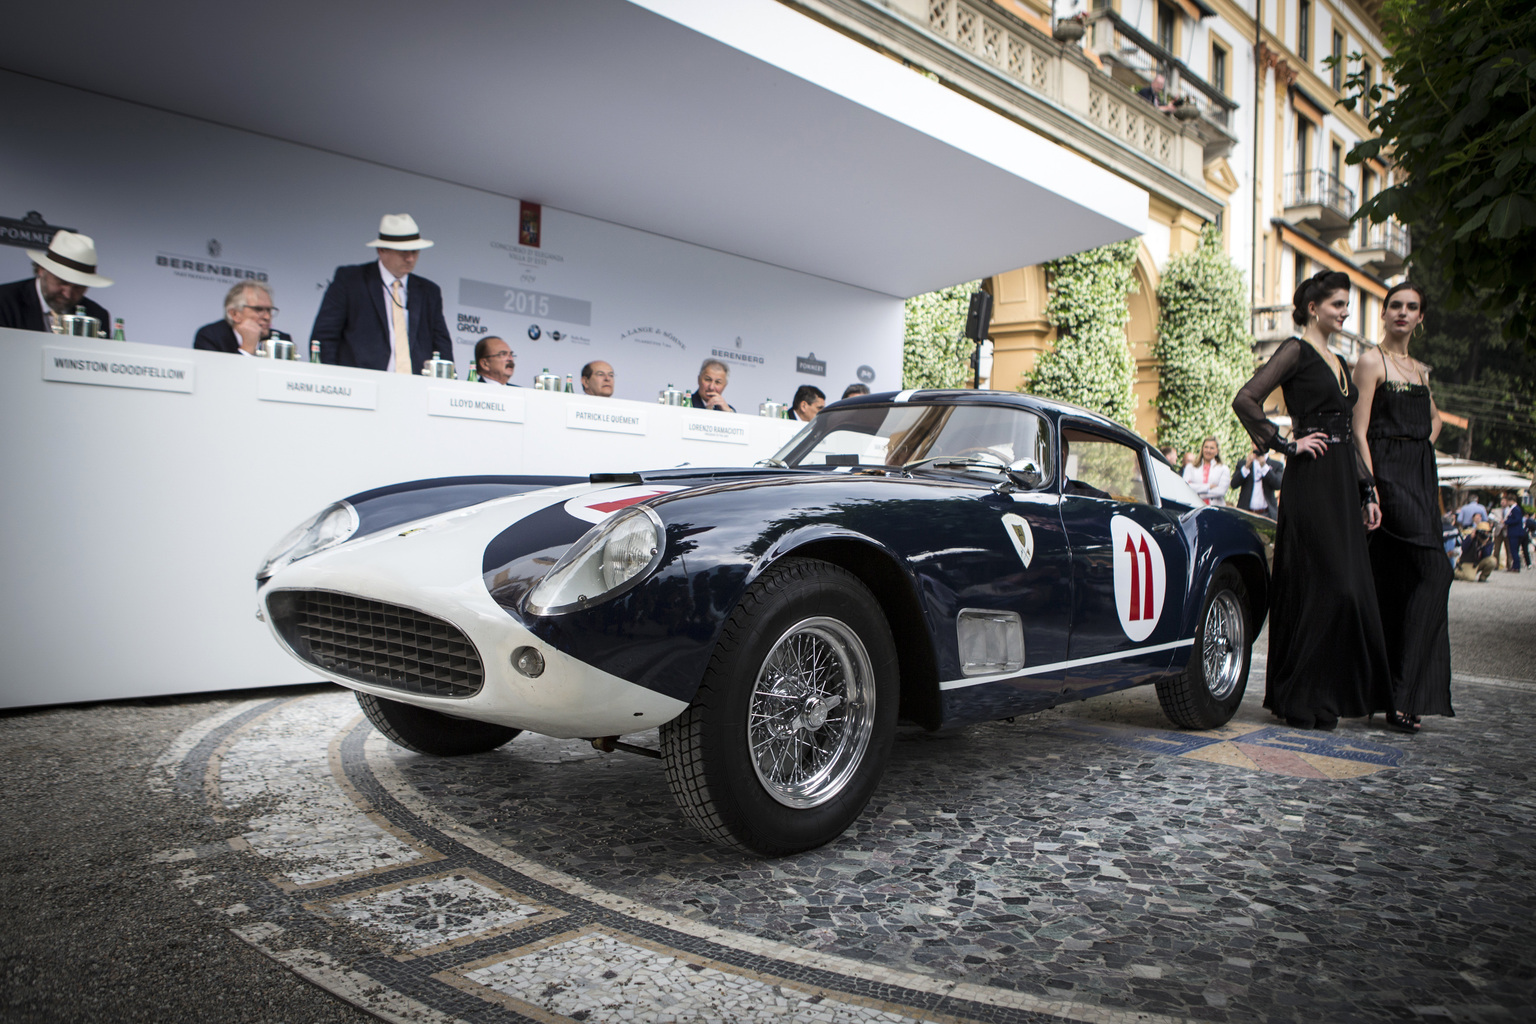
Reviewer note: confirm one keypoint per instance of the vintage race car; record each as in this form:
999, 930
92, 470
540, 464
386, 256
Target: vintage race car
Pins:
941, 557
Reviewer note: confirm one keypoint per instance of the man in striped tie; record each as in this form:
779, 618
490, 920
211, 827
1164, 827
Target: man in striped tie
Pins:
381, 315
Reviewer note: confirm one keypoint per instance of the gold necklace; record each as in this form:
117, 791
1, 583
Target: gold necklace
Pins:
1390, 355
1338, 368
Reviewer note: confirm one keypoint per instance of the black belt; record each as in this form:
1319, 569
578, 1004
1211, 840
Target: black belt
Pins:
1337, 426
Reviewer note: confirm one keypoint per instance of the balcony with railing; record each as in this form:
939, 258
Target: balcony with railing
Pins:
1133, 59
1006, 62
1273, 324
1320, 201
1383, 247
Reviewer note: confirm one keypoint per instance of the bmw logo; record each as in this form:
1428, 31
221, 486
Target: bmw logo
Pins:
533, 332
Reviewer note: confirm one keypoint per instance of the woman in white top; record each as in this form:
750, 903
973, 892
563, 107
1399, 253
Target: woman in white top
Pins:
1208, 476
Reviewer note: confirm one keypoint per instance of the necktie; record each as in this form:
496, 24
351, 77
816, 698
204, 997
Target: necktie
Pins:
401, 332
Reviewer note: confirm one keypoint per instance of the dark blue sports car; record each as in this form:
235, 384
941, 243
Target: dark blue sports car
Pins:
936, 556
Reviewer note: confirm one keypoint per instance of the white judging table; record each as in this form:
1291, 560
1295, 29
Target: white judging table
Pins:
143, 484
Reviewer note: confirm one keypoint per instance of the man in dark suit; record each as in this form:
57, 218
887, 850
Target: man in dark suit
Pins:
248, 313
57, 286
1268, 474
380, 315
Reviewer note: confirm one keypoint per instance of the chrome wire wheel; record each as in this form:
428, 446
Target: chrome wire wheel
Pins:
1225, 639
812, 712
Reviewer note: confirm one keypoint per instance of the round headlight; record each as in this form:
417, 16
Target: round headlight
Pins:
326, 528
628, 550
613, 557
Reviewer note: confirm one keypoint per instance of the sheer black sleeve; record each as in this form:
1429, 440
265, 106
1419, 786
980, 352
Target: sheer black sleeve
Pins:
1249, 403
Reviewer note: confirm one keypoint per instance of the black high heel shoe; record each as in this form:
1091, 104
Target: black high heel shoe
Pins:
1396, 721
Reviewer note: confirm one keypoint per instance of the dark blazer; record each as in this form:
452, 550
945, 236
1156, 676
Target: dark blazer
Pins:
353, 325
19, 307
1272, 482
217, 337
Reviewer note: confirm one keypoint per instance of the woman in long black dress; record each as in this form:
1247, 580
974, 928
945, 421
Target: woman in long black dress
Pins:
1327, 656
1396, 413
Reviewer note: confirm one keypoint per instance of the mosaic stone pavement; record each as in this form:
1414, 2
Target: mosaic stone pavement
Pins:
1085, 864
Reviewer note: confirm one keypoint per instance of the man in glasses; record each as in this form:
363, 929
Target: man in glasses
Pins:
248, 313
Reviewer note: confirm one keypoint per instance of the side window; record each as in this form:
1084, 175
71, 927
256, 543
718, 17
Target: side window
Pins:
1171, 487
1101, 468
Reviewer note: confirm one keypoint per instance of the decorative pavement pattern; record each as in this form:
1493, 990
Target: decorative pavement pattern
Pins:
1084, 864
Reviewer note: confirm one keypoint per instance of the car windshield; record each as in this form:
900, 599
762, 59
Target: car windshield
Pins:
897, 435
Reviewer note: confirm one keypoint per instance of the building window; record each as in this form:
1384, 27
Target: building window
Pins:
1303, 139
1304, 30
1336, 162
1166, 20
1301, 269
1338, 61
1367, 75
1220, 223
1219, 67
1367, 189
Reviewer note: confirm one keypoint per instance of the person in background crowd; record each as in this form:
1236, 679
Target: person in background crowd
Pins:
597, 379
495, 360
855, 389
1473, 508
1396, 416
1157, 93
713, 377
1477, 561
57, 286
1209, 478
380, 315
1258, 485
1327, 652
1514, 531
1171, 453
248, 313
809, 400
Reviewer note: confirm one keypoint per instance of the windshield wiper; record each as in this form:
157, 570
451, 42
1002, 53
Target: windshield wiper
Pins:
771, 463
941, 461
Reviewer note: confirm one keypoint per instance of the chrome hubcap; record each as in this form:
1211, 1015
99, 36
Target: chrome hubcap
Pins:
1225, 638
811, 713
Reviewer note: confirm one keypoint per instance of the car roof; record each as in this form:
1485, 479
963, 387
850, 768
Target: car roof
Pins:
964, 396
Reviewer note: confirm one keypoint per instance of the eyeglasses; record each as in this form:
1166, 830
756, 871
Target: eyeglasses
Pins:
259, 310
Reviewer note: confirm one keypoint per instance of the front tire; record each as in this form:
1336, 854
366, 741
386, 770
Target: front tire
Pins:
431, 732
1208, 693
792, 725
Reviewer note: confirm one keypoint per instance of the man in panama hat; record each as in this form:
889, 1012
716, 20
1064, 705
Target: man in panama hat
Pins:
380, 315
57, 286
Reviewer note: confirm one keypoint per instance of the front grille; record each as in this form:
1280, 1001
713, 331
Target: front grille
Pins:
373, 642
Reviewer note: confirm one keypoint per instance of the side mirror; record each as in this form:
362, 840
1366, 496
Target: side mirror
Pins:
1027, 473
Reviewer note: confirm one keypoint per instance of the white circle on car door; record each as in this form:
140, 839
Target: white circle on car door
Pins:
1141, 580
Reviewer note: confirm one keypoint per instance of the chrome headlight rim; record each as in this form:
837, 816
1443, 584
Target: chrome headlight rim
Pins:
588, 548
292, 547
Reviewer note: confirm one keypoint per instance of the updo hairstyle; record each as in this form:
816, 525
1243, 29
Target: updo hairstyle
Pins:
1407, 286
1315, 289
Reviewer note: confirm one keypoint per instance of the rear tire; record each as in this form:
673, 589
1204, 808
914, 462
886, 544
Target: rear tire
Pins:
791, 727
431, 732
1208, 693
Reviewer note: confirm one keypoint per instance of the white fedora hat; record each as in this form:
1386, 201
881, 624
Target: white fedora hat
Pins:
71, 257
399, 231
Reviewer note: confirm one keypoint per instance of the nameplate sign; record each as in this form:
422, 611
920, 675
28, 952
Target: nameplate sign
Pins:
476, 402
117, 369
346, 392
615, 419
720, 429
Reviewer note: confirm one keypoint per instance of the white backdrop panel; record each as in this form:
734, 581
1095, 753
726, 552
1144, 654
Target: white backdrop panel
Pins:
157, 188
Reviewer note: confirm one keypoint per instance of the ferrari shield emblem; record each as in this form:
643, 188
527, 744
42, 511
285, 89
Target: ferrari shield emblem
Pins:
1141, 580
1021, 535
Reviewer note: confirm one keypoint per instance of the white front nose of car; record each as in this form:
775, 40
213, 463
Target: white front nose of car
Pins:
432, 567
